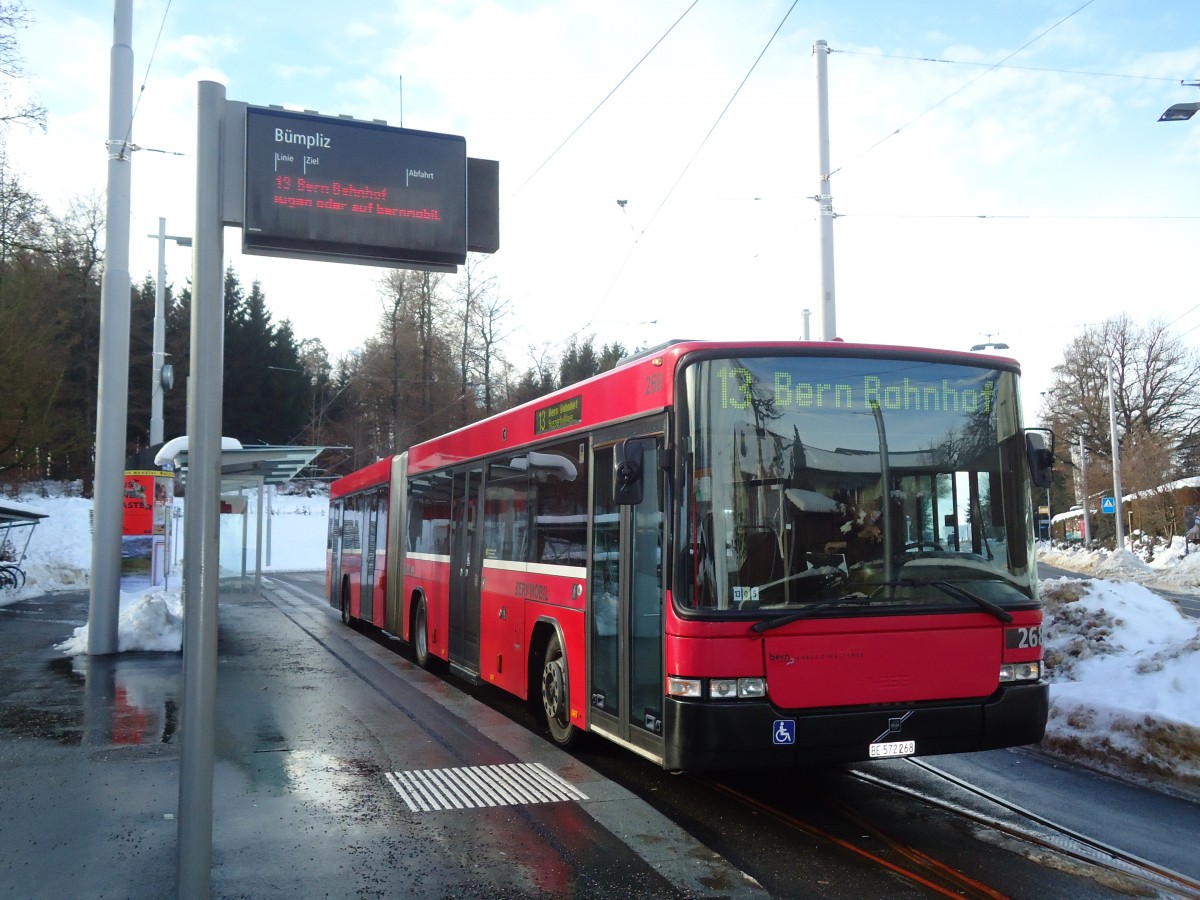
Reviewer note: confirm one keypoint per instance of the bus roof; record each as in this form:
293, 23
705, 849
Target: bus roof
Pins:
376, 473
643, 383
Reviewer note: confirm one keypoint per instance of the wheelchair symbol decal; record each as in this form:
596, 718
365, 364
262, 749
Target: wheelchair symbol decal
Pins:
784, 731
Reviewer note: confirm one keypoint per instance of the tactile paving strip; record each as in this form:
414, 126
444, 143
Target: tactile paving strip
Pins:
472, 787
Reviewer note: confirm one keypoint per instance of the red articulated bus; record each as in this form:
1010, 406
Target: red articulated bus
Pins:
725, 555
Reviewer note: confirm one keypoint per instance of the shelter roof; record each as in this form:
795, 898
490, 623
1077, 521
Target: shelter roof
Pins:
15, 513
245, 466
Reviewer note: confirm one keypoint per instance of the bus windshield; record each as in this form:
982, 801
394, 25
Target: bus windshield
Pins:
853, 486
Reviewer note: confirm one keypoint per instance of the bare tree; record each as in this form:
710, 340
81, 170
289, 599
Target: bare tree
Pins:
14, 16
473, 291
1147, 472
493, 368
1155, 379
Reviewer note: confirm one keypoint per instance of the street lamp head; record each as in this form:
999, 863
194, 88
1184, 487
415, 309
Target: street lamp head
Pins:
1180, 112
990, 345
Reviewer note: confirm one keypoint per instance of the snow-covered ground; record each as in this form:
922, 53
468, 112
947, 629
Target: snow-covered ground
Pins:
1124, 663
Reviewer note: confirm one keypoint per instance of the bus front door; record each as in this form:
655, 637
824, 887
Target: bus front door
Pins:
466, 568
626, 632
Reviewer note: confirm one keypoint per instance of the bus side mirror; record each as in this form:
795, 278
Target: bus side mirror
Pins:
1039, 447
627, 473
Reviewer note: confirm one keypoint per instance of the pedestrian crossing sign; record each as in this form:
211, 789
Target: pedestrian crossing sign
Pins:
1108, 505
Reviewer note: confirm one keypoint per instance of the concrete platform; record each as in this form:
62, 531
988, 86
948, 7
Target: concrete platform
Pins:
340, 772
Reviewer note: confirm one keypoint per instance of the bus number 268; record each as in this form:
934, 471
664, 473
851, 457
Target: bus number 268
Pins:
1023, 638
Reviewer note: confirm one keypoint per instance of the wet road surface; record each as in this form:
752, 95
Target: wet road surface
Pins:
312, 720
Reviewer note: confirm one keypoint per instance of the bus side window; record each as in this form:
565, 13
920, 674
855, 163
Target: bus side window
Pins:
506, 511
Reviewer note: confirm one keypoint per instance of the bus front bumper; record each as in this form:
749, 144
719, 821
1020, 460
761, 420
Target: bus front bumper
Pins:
739, 734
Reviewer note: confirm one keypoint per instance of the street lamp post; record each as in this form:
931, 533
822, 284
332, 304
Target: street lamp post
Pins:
989, 344
1116, 460
1087, 523
1181, 112
158, 355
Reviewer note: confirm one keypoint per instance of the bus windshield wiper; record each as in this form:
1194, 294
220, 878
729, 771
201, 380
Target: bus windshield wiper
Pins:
768, 624
945, 587
955, 590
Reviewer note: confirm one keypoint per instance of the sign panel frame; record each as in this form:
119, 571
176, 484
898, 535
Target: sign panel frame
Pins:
348, 190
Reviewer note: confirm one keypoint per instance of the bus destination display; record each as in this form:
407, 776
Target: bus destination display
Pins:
328, 187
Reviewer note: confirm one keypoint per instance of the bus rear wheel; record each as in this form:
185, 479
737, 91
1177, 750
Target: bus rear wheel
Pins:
556, 696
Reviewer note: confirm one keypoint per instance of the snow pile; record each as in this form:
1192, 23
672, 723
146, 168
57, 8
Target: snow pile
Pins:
151, 621
1125, 680
1164, 566
59, 556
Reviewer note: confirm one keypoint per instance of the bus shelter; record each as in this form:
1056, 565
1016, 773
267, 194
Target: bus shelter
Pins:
14, 517
246, 472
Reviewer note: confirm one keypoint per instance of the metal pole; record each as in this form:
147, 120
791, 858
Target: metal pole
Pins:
1116, 460
824, 198
158, 354
112, 396
258, 539
1087, 524
270, 516
160, 332
807, 314
202, 510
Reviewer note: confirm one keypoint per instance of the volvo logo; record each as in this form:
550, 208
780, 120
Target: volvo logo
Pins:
895, 723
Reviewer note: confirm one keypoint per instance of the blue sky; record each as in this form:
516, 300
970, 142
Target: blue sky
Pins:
1019, 202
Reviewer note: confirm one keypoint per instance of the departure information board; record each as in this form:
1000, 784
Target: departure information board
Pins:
327, 187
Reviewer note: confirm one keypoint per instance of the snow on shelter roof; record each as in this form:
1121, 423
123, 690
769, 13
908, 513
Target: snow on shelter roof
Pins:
244, 466
12, 512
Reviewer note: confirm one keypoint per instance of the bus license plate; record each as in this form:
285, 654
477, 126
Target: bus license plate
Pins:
893, 748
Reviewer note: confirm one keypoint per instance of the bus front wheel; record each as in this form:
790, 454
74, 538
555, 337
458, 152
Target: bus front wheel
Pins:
555, 695
420, 636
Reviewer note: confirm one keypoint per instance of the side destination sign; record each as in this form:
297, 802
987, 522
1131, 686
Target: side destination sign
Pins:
562, 414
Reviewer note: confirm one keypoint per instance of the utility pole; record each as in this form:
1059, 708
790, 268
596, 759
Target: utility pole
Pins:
824, 198
112, 394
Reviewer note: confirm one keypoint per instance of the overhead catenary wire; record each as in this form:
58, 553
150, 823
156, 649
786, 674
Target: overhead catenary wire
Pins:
991, 68
684, 171
141, 90
1001, 65
596, 109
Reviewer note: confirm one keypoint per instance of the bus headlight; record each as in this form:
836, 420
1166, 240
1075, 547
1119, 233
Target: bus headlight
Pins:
737, 688
723, 688
718, 688
752, 687
1028, 671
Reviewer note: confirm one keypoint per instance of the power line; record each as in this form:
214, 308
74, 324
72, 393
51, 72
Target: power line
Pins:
688, 165
1001, 65
605, 100
1193, 309
724, 110
991, 68
142, 89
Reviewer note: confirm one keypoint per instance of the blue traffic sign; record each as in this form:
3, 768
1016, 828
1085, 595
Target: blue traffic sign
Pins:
1108, 505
